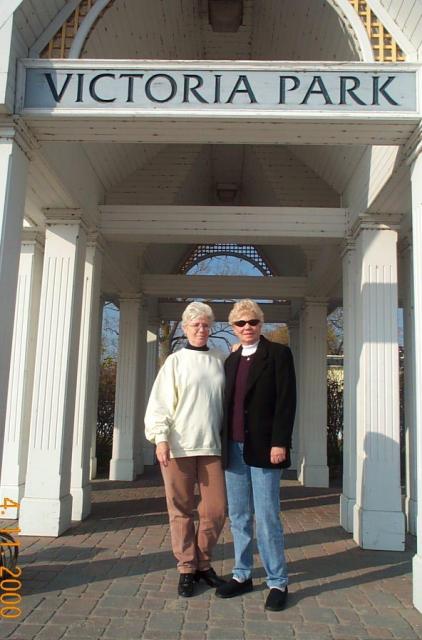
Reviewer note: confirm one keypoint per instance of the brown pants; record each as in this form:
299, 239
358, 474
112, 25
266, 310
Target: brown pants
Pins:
192, 548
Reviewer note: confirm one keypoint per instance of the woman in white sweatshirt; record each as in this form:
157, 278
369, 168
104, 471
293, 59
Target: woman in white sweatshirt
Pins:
183, 420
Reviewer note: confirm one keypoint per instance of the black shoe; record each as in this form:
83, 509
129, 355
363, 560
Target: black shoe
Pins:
210, 577
234, 588
186, 584
276, 600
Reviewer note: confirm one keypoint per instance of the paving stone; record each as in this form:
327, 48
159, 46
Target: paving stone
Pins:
165, 621
27, 631
51, 632
379, 632
270, 629
127, 630
222, 633
319, 614
115, 579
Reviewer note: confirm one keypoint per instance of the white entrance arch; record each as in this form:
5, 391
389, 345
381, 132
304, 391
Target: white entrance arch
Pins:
342, 7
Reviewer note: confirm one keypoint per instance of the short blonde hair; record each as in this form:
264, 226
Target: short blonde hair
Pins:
243, 307
196, 310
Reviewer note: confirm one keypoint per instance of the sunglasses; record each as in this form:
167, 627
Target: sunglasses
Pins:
241, 323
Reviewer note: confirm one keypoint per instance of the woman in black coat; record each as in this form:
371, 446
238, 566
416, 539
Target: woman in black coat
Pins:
259, 411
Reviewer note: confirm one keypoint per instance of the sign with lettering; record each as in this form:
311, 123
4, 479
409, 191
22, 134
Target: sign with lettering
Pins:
345, 88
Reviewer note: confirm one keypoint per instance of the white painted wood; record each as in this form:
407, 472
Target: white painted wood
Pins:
139, 449
273, 312
87, 383
409, 49
185, 224
407, 14
126, 414
312, 467
150, 374
93, 450
294, 343
59, 19
378, 517
228, 287
348, 496
6, 31
416, 176
333, 164
273, 129
18, 413
47, 505
409, 387
13, 175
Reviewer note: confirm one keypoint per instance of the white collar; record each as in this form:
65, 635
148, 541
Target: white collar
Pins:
250, 349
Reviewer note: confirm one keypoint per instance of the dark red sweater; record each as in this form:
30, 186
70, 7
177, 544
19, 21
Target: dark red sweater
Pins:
237, 425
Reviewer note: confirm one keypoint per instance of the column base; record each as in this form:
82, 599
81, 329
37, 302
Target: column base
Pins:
139, 464
293, 458
92, 468
149, 455
15, 493
381, 530
45, 517
417, 582
411, 510
81, 502
313, 476
346, 512
122, 469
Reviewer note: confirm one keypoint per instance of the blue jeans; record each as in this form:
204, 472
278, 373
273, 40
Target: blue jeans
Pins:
254, 490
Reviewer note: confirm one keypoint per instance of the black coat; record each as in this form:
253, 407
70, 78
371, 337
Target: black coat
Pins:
270, 404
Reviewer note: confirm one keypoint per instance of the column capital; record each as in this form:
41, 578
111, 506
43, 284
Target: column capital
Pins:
293, 324
15, 129
348, 246
405, 244
311, 301
31, 235
95, 239
132, 297
413, 147
368, 222
65, 217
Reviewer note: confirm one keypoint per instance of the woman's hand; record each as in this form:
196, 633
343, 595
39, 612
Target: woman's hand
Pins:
163, 453
278, 454
235, 347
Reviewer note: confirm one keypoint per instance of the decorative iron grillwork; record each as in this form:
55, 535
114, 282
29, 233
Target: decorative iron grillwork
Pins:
244, 251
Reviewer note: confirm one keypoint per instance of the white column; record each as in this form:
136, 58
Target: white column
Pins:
348, 496
13, 175
409, 388
294, 340
313, 469
142, 364
126, 413
150, 374
378, 521
93, 449
47, 506
87, 383
22, 364
416, 176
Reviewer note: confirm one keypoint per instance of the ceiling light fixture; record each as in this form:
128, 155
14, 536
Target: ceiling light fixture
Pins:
225, 16
227, 192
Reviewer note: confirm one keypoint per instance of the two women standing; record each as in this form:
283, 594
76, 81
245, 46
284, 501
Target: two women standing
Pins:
184, 417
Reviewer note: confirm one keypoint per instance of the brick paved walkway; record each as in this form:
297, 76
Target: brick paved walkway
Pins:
113, 577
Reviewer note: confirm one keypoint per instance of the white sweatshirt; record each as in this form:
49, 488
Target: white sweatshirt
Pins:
186, 403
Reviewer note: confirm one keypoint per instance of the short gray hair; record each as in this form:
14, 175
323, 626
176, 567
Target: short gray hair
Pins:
246, 306
195, 310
